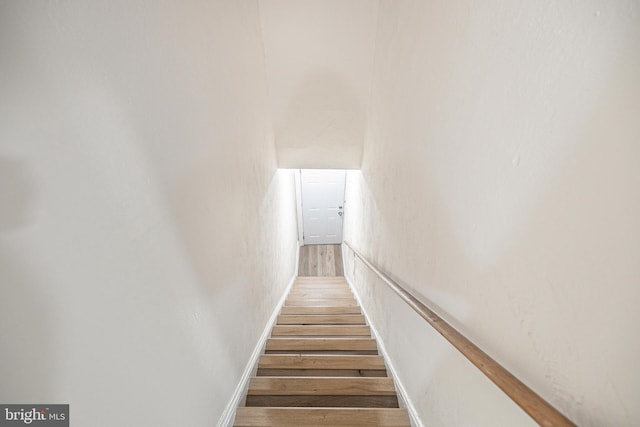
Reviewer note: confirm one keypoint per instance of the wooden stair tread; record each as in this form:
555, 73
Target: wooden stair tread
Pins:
320, 285
328, 286
321, 361
321, 319
305, 290
321, 302
321, 386
317, 417
321, 344
327, 289
320, 295
320, 310
320, 330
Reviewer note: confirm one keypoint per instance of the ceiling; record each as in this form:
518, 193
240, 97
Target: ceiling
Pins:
319, 56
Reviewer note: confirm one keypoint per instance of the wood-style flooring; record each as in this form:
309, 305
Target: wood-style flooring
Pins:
321, 366
320, 260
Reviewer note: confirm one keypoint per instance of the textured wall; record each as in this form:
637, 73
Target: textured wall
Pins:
145, 233
500, 179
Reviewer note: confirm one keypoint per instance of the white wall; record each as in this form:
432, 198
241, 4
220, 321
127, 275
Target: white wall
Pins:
318, 57
145, 233
500, 179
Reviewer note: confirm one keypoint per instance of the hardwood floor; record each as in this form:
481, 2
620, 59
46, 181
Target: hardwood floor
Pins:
321, 366
320, 260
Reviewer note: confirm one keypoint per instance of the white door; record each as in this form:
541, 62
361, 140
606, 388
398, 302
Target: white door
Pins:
322, 206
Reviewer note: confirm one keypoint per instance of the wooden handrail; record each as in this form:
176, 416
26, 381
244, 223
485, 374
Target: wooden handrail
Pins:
537, 408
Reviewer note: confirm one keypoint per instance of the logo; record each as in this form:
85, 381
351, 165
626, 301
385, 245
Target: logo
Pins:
35, 415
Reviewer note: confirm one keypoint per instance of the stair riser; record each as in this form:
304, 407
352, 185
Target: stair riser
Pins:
321, 302
326, 352
325, 401
269, 372
320, 310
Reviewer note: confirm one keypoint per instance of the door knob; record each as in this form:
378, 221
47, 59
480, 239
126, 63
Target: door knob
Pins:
340, 213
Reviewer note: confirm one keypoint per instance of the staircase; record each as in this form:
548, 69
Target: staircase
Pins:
321, 366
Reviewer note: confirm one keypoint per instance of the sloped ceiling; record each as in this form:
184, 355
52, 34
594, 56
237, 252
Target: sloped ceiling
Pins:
319, 56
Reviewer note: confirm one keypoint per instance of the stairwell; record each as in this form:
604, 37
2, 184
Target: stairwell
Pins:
321, 366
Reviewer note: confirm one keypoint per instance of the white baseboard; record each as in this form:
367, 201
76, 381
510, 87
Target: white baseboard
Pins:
404, 397
229, 413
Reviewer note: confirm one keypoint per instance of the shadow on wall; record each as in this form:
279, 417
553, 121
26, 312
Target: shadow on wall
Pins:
323, 126
16, 193
210, 207
24, 315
